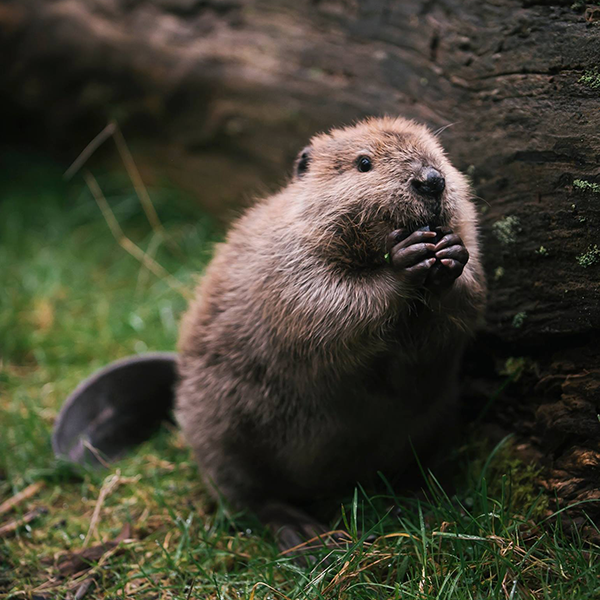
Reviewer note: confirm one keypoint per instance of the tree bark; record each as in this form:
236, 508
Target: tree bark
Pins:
222, 93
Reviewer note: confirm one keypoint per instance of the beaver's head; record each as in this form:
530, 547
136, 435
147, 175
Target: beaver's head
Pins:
381, 168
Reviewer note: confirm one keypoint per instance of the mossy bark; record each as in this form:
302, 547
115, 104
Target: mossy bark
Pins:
222, 93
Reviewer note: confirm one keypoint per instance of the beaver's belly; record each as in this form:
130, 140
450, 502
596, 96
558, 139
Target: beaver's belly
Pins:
378, 425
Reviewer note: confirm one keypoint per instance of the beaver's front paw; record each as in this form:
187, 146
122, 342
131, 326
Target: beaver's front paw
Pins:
411, 255
451, 257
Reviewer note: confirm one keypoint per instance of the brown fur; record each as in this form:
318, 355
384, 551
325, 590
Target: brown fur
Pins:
306, 364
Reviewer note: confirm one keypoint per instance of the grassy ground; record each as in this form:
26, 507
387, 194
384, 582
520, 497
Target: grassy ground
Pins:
72, 300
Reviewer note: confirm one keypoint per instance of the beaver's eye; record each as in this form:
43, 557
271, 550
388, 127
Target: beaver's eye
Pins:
364, 164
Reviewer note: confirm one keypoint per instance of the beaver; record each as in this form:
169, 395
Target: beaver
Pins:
324, 342
325, 339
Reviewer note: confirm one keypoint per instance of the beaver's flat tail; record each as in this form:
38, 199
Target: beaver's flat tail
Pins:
116, 408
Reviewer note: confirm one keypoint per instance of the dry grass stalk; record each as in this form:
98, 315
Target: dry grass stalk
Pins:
136, 179
317, 538
127, 244
82, 590
96, 454
87, 152
11, 527
112, 130
28, 492
263, 584
110, 483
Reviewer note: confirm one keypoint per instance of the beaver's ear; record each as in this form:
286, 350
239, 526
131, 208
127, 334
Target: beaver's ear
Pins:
302, 162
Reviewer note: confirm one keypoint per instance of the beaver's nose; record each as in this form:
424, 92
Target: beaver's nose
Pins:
429, 182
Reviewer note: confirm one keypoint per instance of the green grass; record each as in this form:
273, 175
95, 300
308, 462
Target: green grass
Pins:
72, 300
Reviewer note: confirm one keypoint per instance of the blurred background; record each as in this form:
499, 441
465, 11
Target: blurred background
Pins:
203, 105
